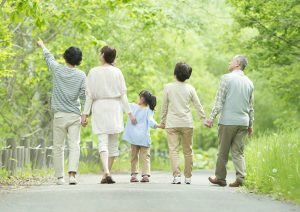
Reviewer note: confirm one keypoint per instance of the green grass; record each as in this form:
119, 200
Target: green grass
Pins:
4, 173
273, 165
27, 172
86, 168
25, 177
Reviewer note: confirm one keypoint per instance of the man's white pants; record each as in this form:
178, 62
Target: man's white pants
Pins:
66, 125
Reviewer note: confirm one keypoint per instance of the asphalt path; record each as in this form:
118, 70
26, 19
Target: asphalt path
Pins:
158, 195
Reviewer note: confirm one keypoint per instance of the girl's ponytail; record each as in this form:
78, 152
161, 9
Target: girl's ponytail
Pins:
152, 102
149, 99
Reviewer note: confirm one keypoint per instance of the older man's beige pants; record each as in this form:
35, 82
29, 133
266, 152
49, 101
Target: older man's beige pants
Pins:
231, 137
175, 137
66, 125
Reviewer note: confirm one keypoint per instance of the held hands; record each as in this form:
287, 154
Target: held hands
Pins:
132, 119
208, 123
162, 126
84, 120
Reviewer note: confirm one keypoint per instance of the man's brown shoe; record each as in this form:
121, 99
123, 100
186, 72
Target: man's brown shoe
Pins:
215, 181
235, 184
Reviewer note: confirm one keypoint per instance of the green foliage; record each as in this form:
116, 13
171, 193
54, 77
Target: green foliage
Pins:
85, 168
276, 47
273, 165
205, 159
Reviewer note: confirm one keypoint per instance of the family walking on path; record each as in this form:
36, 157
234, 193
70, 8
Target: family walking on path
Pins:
104, 94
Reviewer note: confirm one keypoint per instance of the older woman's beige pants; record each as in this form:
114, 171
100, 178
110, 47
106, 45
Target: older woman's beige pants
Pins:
175, 137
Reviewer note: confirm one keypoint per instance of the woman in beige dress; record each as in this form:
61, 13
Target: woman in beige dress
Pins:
106, 96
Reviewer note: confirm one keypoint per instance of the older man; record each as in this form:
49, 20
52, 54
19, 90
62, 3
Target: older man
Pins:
234, 101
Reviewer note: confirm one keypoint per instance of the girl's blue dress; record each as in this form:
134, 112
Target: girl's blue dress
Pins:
139, 134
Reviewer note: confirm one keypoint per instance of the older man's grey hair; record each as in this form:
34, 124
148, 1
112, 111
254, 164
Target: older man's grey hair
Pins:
242, 61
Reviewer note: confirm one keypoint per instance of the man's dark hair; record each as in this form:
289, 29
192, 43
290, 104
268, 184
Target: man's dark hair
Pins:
109, 54
73, 56
182, 71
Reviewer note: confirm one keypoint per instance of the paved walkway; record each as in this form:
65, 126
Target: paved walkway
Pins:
159, 195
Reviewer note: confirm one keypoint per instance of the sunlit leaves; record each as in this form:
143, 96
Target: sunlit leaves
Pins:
277, 46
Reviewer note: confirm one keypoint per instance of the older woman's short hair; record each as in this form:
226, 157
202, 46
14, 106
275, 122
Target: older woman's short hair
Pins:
243, 62
182, 71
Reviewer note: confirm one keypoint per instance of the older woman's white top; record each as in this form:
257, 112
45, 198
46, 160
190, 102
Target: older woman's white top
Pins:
106, 95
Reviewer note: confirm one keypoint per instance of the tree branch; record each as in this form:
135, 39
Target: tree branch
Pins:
279, 37
2, 3
274, 34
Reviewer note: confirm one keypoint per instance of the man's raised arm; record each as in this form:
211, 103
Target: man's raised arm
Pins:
49, 58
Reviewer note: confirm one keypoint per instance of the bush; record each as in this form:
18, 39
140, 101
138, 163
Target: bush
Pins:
274, 165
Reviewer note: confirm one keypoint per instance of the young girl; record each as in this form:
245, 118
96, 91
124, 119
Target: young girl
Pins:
138, 135
178, 120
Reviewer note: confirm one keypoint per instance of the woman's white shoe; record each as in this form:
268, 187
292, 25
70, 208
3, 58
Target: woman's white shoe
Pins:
72, 180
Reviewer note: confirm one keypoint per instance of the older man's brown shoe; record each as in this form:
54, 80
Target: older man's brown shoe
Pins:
235, 184
215, 181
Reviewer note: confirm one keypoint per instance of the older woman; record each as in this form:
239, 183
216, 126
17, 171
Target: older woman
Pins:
106, 95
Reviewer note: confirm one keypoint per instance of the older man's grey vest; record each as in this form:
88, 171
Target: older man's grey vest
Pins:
236, 108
